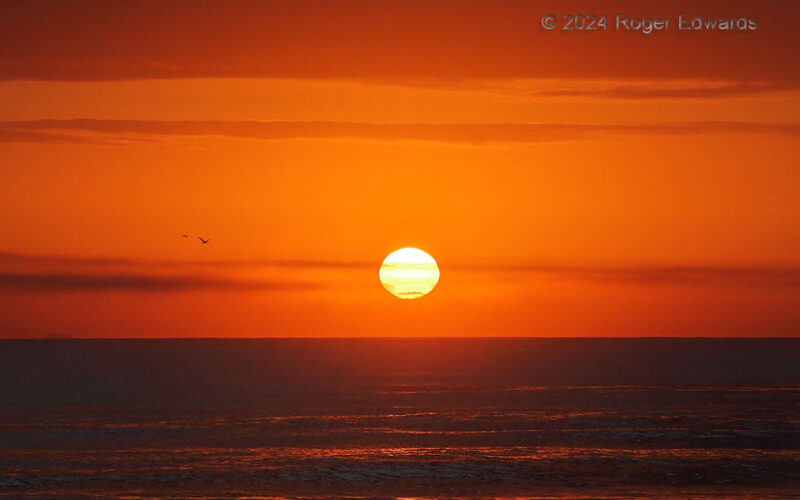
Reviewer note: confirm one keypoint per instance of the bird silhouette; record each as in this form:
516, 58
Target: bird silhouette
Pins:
204, 241
185, 236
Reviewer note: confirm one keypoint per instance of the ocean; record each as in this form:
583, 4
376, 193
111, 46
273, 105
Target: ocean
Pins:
400, 418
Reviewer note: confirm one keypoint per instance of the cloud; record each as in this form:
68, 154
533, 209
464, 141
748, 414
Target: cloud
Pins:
16, 259
615, 89
77, 282
86, 40
54, 273
10, 135
57, 273
757, 277
634, 91
85, 130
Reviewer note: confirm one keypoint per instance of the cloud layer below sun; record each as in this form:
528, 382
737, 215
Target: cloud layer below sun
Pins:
71, 274
110, 131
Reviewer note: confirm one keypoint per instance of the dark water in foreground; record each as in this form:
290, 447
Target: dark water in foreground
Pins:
431, 418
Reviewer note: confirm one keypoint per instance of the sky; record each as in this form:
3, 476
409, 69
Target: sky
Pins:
568, 183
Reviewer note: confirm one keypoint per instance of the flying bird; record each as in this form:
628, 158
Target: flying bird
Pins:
204, 241
185, 236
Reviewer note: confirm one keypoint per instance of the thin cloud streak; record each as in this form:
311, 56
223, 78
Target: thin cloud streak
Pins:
103, 274
114, 131
760, 277
76, 282
633, 92
606, 90
55, 260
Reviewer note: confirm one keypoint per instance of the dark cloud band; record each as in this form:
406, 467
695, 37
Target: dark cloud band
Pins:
53, 273
111, 131
96, 282
386, 40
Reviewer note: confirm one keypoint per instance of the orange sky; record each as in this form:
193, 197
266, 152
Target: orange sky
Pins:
568, 184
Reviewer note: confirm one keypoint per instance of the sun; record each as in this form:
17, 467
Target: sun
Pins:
409, 273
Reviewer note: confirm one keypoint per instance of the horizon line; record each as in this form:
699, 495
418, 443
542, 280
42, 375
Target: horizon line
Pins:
419, 337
